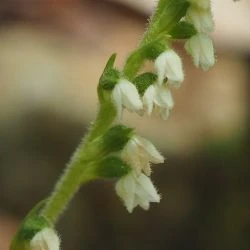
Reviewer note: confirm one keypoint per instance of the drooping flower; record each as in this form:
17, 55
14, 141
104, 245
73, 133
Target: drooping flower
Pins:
200, 47
168, 64
200, 18
139, 152
126, 95
203, 4
159, 99
46, 239
136, 190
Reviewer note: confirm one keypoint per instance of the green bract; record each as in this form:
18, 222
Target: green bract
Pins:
112, 167
143, 81
183, 30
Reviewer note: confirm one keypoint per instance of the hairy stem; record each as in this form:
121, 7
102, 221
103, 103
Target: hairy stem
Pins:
77, 172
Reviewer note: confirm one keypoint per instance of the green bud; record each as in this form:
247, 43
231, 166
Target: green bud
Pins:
32, 224
116, 138
183, 30
143, 81
112, 167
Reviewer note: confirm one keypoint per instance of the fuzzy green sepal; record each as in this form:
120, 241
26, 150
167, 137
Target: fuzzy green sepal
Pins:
112, 167
183, 30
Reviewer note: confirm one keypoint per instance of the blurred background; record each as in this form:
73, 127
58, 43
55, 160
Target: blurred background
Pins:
52, 53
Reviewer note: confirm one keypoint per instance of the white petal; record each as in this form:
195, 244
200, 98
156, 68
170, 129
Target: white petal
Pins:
46, 239
130, 96
150, 150
200, 47
125, 189
164, 97
142, 203
117, 98
168, 64
148, 99
146, 189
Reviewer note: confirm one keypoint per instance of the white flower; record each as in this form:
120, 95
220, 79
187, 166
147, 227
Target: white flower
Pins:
126, 95
139, 152
46, 239
136, 190
159, 99
204, 4
168, 64
200, 47
201, 19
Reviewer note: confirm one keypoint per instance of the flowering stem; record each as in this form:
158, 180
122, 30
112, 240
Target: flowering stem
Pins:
77, 170
166, 15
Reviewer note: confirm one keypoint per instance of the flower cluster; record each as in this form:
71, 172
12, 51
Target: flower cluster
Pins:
136, 188
157, 96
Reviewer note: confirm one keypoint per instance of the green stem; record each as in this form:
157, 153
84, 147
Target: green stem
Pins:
77, 172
